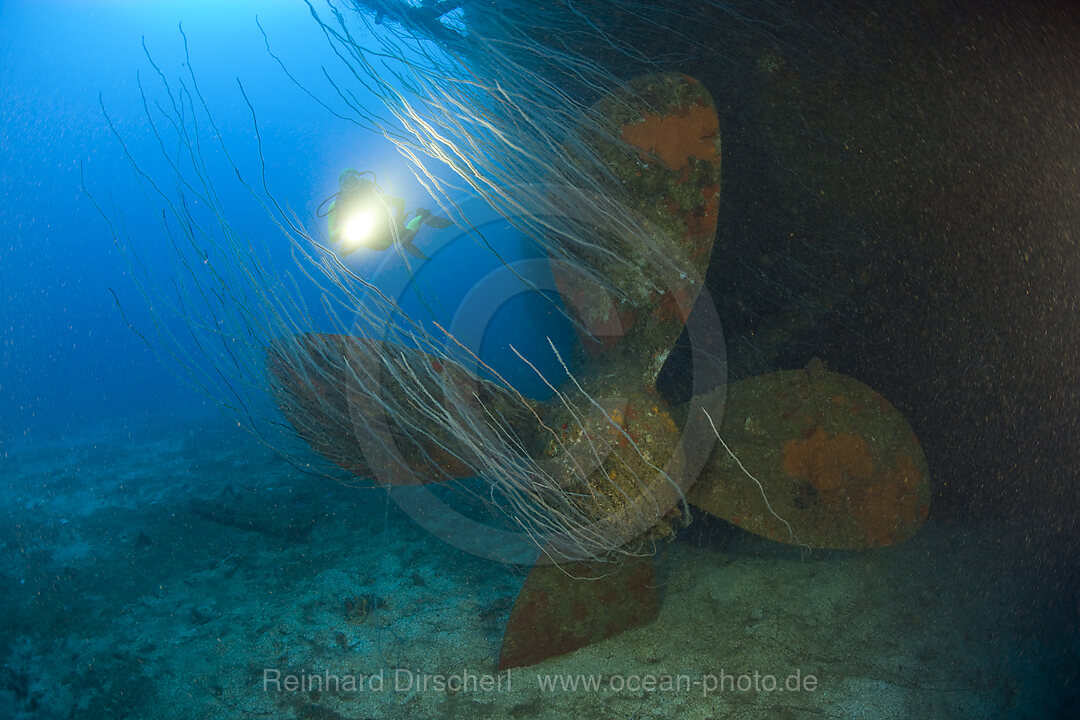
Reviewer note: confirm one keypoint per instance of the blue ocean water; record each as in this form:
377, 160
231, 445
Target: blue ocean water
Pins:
158, 561
70, 358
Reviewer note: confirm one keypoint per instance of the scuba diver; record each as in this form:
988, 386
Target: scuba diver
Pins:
360, 215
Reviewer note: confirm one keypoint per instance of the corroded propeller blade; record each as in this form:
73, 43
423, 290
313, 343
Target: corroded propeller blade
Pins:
838, 462
347, 397
638, 294
562, 609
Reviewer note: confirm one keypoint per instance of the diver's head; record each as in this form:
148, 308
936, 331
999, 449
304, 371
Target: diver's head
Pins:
350, 181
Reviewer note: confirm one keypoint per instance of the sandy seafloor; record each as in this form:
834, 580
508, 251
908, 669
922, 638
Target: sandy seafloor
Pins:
160, 574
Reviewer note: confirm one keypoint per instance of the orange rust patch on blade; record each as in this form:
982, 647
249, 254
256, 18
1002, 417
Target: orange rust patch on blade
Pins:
888, 508
676, 138
828, 462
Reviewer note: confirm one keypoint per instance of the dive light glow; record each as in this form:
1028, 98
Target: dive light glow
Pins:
359, 227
